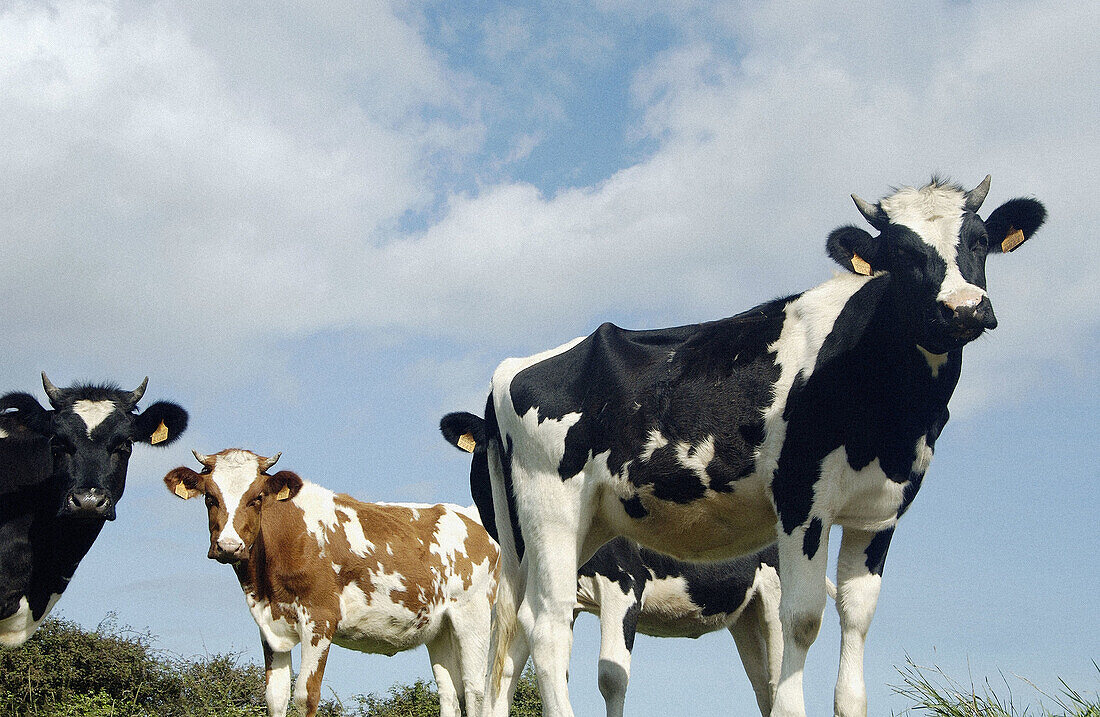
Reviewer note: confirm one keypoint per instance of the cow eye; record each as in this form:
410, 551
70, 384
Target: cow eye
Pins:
123, 449
255, 502
211, 501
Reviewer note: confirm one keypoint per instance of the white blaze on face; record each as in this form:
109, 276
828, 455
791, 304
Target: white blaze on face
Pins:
93, 413
234, 472
935, 214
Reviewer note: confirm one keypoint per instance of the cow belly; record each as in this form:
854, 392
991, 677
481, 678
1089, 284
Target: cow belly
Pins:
668, 611
378, 625
717, 526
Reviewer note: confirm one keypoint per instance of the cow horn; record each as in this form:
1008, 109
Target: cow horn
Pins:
138, 392
205, 460
871, 212
53, 392
266, 463
976, 196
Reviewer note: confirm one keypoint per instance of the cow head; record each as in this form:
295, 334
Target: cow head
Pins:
236, 485
79, 450
934, 246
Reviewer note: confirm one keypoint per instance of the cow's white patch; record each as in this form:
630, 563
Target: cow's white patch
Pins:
696, 457
935, 361
353, 529
448, 542
3, 433
865, 499
93, 413
924, 457
278, 633
18, 628
935, 214
233, 474
654, 441
377, 624
319, 508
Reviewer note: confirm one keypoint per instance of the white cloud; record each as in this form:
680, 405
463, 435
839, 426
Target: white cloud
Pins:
245, 174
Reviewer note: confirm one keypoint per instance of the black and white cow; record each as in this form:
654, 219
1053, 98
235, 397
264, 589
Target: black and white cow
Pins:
62, 472
633, 589
712, 440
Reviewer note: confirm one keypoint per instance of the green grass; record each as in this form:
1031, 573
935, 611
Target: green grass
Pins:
933, 692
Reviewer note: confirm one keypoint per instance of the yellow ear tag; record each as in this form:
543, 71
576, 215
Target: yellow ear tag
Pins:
183, 491
283, 494
466, 442
1013, 240
860, 265
160, 435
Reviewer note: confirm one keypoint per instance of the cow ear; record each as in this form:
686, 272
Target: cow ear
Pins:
464, 431
1013, 223
854, 249
161, 423
22, 413
284, 485
185, 482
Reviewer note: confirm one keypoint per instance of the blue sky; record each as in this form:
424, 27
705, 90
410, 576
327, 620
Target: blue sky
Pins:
319, 230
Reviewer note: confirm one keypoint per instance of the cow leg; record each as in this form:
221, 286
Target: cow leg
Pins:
618, 623
441, 652
508, 650
802, 561
557, 518
759, 639
858, 579
307, 689
470, 625
276, 680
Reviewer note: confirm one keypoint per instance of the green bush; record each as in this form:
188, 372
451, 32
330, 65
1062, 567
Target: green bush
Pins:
64, 671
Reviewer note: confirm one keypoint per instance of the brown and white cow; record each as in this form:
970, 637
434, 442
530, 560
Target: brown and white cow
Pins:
319, 567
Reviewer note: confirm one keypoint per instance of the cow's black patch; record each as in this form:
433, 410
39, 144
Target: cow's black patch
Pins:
811, 541
634, 508
876, 551
628, 384
909, 492
630, 625
504, 448
717, 588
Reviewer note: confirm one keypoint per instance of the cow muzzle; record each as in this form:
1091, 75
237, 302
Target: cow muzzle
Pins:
228, 550
89, 503
968, 313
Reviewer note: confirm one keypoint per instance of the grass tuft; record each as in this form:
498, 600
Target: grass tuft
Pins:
934, 692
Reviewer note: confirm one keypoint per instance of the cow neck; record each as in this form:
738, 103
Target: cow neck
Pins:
57, 546
888, 365
259, 573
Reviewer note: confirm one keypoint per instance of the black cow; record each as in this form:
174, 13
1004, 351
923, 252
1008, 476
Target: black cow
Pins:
62, 472
712, 440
